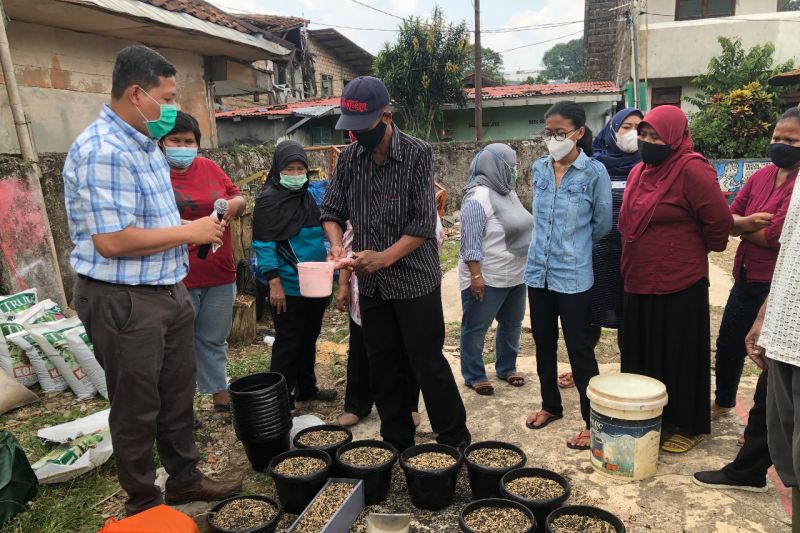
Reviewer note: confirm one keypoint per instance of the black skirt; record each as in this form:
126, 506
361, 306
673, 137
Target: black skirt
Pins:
668, 337
607, 293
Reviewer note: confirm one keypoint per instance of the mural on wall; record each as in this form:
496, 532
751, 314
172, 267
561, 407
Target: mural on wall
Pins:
732, 173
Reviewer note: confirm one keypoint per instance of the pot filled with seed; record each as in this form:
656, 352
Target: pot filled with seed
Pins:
489, 461
298, 476
583, 519
431, 471
244, 514
496, 515
328, 438
372, 461
538, 489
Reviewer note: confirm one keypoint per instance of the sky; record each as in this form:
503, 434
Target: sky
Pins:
495, 15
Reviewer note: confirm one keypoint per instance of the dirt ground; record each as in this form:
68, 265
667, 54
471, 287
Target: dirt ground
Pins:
668, 503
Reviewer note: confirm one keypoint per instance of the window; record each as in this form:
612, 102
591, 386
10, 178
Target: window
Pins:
321, 136
667, 96
700, 9
327, 86
280, 75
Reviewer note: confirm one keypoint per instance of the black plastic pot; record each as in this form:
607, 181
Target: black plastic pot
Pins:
260, 407
541, 508
259, 383
260, 453
485, 481
431, 489
494, 502
269, 527
377, 479
333, 448
585, 510
295, 493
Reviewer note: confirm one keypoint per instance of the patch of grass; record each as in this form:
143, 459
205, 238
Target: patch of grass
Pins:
489, 358
249, 362
448, 255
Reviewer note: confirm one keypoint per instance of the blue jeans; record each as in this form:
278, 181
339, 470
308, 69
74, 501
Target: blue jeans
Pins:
213, 312
508, 307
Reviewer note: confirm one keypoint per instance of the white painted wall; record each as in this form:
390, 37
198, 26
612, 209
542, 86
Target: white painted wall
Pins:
743, 7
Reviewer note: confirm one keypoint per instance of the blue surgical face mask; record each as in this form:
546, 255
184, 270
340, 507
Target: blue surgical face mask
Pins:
293, 182
180, 156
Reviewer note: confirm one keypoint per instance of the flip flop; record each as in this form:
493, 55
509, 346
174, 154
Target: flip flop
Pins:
584, 434
550, 418
515, 380
565, 380
680, 443
484, 388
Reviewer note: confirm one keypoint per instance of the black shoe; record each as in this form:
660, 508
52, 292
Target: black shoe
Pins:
717, 479
197, 424
322, 395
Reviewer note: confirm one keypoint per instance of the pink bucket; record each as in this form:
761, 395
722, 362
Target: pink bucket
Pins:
316, 279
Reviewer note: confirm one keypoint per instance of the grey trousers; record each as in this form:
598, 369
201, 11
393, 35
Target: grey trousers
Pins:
783, 420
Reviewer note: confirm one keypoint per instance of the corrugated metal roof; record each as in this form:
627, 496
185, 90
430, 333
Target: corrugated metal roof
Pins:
553, 89
340, 46
315, 111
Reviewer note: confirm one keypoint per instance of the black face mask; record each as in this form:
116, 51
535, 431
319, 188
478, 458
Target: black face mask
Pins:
371, 138
784, 155
653, 154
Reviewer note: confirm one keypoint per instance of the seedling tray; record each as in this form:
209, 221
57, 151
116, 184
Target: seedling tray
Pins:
347, 513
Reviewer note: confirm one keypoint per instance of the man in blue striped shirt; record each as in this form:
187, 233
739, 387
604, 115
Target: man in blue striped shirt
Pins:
130, 256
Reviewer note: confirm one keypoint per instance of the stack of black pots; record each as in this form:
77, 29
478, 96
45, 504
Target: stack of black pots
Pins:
261, 416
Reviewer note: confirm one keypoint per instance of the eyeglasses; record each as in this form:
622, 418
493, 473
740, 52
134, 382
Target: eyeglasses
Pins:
547, 134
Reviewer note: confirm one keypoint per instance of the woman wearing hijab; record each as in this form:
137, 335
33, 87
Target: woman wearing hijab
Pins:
617, 148
673, 214
495, 235
287, 231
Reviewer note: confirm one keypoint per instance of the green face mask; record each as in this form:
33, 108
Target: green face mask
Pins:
165, 121
293, 182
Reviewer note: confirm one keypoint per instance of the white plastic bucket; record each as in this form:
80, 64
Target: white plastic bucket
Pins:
626, 424
316, 279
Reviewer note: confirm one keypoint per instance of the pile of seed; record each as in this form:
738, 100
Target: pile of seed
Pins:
431, 461
299, 466
535, 488
244, 513
497, 520
366, 456
323, 507
323, 437
572, 523
495, 457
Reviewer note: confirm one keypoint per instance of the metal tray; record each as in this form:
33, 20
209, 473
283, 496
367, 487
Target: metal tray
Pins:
346, 514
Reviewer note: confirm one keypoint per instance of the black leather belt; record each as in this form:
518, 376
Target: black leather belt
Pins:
152, 287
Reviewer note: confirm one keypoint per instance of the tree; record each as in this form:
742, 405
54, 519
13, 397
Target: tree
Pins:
563, 61
736, 106
423, 69
491, 64
531, 80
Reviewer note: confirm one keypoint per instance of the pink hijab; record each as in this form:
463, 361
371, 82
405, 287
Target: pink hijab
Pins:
647, 184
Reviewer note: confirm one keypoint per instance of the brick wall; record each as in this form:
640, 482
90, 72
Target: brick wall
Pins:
326, 64
606, 42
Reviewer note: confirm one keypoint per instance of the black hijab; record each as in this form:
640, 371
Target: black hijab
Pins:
281, 213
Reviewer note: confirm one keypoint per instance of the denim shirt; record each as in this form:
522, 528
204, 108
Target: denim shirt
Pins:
566, 221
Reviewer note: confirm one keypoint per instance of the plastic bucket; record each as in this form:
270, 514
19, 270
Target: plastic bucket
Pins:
494, 502
485, 481
431, 489
585, 510
295, 493
268, 527
626, 424
261, 452
377, 479
316, 279
540, 508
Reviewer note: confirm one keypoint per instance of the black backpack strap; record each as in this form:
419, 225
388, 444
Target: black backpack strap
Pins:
285, 251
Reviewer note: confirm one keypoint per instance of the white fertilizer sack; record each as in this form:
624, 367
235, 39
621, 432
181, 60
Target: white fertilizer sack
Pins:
82, 348
86, 444
50, 379
14, 304
49, 336
14, 360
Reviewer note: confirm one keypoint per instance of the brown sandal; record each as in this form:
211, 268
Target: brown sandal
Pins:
515, 380
484, 388
549, 417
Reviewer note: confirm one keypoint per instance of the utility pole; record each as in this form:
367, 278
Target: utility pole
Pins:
36, 262
478, 75
632, 18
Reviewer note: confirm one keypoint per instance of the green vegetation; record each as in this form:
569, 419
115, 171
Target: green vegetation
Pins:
448, 255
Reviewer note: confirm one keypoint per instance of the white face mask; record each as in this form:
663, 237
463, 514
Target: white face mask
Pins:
628, 142
559, 149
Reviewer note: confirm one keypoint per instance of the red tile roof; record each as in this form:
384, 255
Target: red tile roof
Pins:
274, 22
202, 10
279, 109
553, 89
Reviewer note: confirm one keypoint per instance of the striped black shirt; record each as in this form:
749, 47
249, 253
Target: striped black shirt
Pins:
383, 203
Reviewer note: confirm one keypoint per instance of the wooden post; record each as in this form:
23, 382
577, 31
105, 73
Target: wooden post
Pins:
478, 75
243, 329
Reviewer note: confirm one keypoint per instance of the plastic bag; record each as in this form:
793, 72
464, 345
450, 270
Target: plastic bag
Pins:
87, 445
14, 304
299, 423
49, 336
50, 379
82, 348
158, 519
13, 359
18, 483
